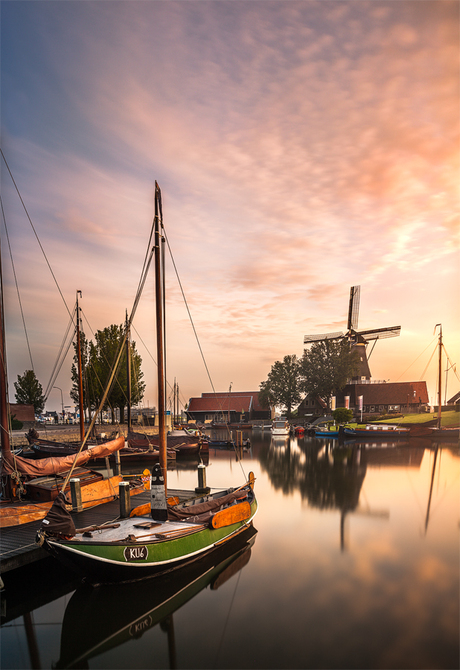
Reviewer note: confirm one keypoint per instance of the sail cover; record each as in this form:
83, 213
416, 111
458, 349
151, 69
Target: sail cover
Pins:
57, 464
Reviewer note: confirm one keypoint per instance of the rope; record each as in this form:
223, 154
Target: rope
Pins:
33, 228
17, 285
199, 346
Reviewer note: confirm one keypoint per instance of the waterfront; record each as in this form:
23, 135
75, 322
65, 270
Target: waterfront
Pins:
355, 565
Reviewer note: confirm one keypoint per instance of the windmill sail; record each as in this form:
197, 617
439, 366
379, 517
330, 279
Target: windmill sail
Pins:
357, 338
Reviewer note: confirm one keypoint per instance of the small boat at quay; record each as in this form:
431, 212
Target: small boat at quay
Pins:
326, 430
445, 434
280, 427
384, 431
169, 531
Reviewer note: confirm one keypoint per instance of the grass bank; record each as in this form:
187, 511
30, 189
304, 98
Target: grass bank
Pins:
449, 419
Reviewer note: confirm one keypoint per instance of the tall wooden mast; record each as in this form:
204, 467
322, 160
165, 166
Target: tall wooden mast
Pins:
4, 413
159, 295
80, 375
439, 374
128, 370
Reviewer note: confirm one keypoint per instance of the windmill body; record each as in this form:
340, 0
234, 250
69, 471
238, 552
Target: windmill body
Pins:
358, 339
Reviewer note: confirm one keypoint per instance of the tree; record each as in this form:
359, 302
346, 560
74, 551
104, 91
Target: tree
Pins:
29, 391
342, 415
326, 367
98, 359
282, 385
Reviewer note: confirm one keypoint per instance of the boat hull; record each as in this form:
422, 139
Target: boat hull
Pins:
377, 433
130, 559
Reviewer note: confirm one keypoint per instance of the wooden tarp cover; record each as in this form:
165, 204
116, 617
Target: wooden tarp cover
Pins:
56, 464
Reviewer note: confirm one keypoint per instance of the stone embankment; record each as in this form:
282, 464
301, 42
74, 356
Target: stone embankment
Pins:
65, 433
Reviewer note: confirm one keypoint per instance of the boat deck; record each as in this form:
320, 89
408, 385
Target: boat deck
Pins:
17, 543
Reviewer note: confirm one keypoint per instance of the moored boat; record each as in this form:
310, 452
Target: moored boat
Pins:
172, 531
384, 431
327, 430
87, 631
445, 434
280, 427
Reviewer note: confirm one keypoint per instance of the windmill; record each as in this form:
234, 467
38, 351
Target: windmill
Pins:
357, 338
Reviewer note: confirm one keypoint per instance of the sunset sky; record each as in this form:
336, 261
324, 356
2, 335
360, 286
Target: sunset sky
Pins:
301, 148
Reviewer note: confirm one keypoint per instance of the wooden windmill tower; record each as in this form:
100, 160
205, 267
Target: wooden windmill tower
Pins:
357, 338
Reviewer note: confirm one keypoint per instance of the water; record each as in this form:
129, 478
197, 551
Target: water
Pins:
355, 564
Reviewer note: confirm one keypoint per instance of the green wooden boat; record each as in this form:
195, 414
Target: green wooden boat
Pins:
168, 534
137, 607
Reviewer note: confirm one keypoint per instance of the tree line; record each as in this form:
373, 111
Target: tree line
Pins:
320, 372
98, 358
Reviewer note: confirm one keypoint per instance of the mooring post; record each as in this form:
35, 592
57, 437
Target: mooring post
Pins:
117, 463
75, 494
125, 499
202, 488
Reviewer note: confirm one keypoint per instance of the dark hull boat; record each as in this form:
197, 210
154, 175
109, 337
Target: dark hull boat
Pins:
383, 431
182, 445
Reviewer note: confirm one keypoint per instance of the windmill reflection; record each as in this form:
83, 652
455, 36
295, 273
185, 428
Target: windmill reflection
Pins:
330, 475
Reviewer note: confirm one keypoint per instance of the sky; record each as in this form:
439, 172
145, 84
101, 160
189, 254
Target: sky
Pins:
301, 148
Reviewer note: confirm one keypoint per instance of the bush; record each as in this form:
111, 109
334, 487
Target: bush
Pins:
16, 424
342, 415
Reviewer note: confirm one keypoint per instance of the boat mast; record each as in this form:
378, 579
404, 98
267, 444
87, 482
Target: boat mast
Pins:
80, 376
439, 374
4, 408
128, 370
159, 275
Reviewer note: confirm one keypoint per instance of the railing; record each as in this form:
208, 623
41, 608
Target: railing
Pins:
367, 381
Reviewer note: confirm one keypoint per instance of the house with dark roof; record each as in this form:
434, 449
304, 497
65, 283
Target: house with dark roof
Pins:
229, 407
377, 398
454, 401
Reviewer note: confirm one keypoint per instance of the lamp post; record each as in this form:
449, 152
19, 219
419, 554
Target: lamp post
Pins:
62, 401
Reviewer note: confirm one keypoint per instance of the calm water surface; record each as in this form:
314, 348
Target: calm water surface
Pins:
355, 564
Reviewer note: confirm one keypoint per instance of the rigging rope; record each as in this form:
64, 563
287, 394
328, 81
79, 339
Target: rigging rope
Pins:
33, 228
16, 284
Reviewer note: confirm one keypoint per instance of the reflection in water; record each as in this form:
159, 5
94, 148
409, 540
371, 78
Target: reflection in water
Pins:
389, 601
100, 618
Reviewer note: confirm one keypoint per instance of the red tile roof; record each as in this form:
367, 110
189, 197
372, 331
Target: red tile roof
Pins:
391, 393
238, 401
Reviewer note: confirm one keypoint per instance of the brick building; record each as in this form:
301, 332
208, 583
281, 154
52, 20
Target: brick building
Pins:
377, 398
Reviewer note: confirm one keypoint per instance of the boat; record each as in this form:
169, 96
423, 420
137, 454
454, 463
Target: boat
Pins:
175, 529
87, 631
176, 445
445, 434
39, 483
299, 431
326, 430
440, 433
383, 431
280, 427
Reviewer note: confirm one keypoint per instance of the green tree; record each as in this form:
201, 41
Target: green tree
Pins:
29, 391
282, 384
98, 359
326, 367
342, 415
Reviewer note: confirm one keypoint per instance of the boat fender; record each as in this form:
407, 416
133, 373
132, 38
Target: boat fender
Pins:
158, 505
40, 538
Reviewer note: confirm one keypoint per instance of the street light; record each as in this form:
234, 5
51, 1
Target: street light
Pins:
62, 401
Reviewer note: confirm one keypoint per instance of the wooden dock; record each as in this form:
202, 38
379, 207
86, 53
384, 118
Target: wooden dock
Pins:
17, 543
